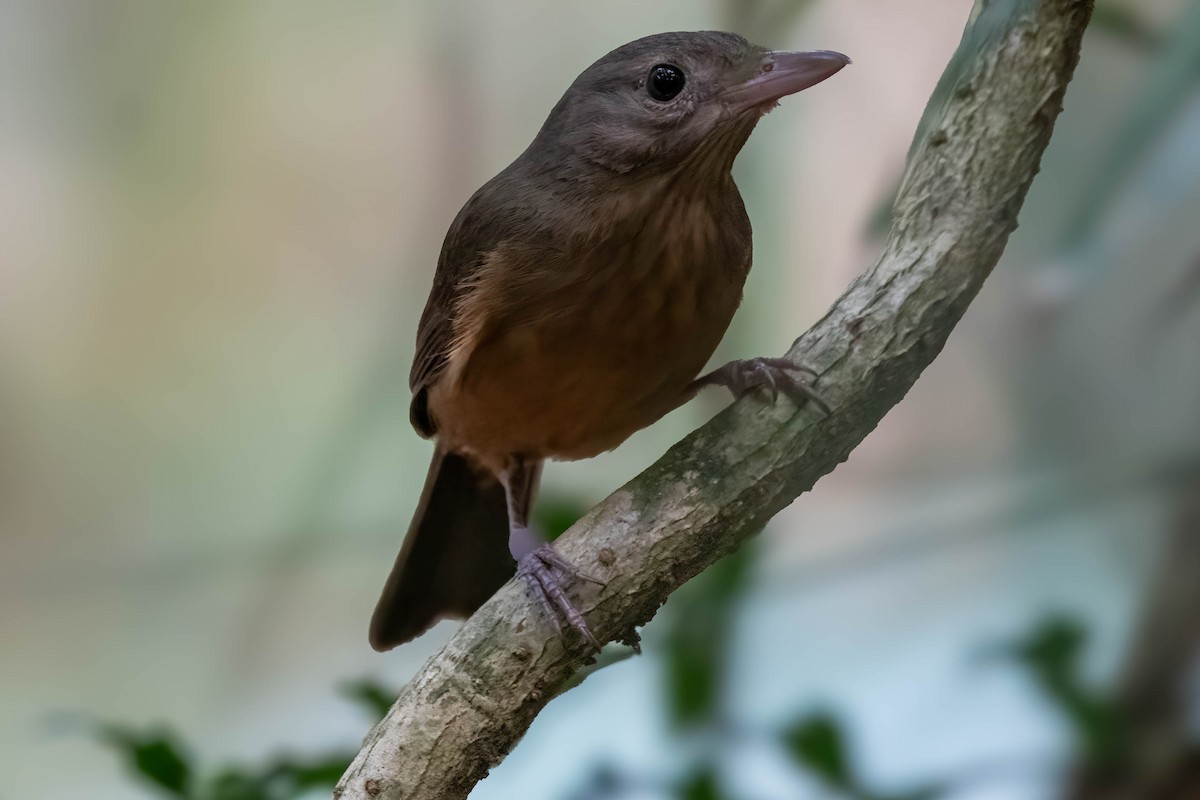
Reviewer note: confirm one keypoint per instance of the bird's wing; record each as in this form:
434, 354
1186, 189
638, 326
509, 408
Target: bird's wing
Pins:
493, 214
436, 330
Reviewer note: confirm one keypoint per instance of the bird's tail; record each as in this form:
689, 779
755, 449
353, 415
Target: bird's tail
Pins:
454, 557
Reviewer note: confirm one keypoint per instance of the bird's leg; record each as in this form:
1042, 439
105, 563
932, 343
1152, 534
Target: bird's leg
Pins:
544, 571
772, 374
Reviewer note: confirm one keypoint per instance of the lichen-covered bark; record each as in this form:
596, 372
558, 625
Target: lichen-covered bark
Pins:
974, 159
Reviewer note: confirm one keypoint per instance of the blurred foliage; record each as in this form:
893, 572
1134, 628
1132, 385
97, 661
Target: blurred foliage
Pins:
1172, 76
373, 697
697, 631
698, 640
701, 785
155, 755
158, 759
554, 513
1125, 24
1173, 73
1052, 653
818, 745
697, 634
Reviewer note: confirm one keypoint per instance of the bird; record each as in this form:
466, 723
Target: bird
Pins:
577, 297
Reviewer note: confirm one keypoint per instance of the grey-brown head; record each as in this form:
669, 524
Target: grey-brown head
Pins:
675, 99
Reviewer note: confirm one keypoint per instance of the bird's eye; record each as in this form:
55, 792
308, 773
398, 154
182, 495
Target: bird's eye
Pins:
665, 81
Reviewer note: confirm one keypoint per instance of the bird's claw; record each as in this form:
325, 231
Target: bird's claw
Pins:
543, 571
772, 374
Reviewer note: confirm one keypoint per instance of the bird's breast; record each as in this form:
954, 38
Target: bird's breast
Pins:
574, 349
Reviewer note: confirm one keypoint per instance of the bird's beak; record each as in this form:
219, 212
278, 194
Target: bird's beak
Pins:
781, 73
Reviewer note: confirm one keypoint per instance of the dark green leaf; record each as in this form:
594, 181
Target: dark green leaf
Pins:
552, 515
155, 756
697, 640
700, 785
374, 697
817, 744
692, 682
1124, 22
1053, 649
291, 777
236, 785
1052, 654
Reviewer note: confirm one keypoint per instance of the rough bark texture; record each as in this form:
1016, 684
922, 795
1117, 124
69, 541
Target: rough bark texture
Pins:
976, 154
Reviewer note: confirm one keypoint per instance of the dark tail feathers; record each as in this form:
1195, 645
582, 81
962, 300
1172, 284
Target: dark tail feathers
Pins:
454, 557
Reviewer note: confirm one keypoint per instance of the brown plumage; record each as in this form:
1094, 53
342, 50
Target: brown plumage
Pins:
577, 296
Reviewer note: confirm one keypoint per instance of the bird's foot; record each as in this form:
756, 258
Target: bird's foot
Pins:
772, 374
545, 572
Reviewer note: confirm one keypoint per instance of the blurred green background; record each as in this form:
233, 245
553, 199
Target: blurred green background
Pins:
218, 225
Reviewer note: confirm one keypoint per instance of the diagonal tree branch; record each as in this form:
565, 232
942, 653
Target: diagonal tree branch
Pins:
976, 155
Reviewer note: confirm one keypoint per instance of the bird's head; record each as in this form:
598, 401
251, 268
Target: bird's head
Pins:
676, 100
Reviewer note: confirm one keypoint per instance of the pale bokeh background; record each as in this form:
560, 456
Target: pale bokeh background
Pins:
218, 225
